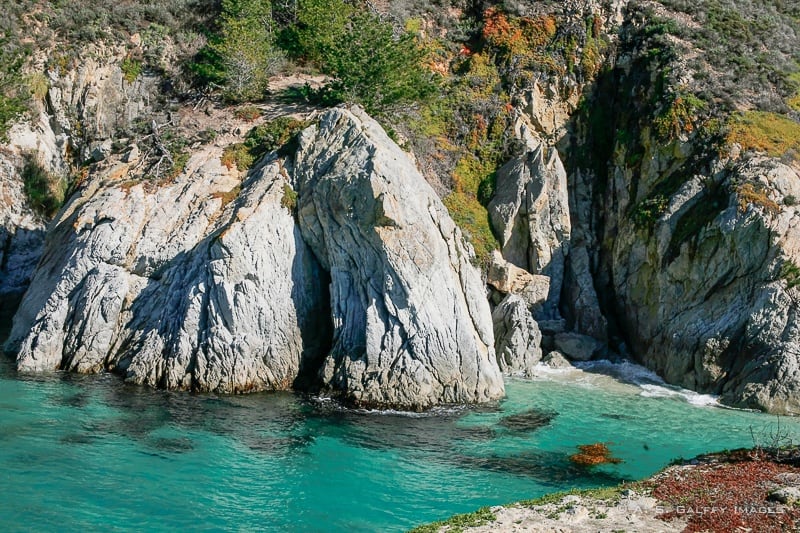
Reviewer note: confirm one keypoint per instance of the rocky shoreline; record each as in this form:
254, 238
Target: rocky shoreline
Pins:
741, 490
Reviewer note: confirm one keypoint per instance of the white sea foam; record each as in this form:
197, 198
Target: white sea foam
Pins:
666, 391
605, 373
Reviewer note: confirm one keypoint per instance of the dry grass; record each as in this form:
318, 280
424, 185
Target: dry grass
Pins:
774, 134
749, 193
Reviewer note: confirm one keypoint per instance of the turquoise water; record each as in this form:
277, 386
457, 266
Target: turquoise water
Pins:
86, 453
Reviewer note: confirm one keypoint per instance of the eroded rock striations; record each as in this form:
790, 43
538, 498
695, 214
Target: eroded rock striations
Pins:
174, 288
192, 286
412, 326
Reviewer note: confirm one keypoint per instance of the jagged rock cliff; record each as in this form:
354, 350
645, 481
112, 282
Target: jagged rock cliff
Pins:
173, 287
411, 322
176, 286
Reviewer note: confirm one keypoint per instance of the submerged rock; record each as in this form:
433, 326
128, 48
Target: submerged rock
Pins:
526, 421
412, 326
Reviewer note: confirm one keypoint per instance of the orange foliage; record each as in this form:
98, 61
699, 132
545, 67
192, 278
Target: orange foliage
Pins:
593, 454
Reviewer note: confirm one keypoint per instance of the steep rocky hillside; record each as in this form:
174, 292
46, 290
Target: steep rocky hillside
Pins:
626, 173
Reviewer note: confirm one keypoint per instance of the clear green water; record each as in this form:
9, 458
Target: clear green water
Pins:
88, 453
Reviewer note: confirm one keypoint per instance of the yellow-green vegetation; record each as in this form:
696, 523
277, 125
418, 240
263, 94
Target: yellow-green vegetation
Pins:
45, 190
794, 100
756, 194
473, 219
237, 155
38, 85
680, 116
457, 523
790, 272
763, 131
227, 197
273, 135
289, 199
131, 68
606, 494
470, 124
247, 112
12, 103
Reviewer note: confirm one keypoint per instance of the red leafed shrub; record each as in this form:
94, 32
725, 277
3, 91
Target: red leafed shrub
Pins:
593, 454
725, 496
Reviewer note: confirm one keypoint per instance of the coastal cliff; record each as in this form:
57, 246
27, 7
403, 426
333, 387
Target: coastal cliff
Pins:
578, 187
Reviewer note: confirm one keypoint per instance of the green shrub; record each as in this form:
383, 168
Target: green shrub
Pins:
369, 64
289, 199
790, 273
473, 219
241, 56
274, 135
12, 101
237, 155
45, 191
247, 112
131, 68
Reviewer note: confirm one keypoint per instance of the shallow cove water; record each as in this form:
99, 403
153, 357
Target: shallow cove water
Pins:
89, 452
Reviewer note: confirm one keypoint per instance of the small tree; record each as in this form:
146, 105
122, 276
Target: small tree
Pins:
242, 57
368, 62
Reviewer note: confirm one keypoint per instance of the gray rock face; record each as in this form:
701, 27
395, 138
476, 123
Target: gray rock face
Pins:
712, 311
412, 327
174, 288
21, 239
510, 279
577, 347
530, 213
556, 360
517, 337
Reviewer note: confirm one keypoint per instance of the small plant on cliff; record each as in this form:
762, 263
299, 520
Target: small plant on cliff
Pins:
289, 199
131, 68
790, 273
45, 190
12, 103
273, 135
756, 194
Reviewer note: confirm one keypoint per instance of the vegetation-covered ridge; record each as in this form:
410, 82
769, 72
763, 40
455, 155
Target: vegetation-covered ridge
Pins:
449, 80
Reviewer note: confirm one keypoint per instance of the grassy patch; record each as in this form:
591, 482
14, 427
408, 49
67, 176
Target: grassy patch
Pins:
289, 199
606, 494
45, 190
790, 272
774, 134
473, 219
247, 112
458, 522
131, 68
237, 155
227, 197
